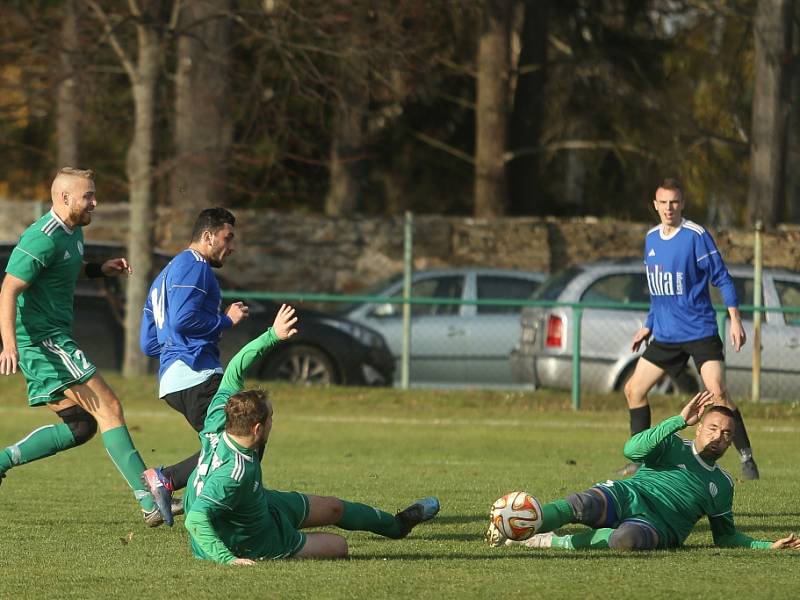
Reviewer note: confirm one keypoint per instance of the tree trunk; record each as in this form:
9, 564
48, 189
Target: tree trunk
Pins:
772, 30
491, 109
140, 176
68, 107
203, 122
526, 118
793, 152
347, 164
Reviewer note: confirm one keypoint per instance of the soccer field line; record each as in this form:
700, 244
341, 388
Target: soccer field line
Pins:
432, 422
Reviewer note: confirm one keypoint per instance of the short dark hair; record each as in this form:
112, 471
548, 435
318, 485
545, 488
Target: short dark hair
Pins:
246, 408
718, 408
212, 219
673, 185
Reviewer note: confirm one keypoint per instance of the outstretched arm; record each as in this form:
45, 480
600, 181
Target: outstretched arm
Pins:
282, 329
726, 536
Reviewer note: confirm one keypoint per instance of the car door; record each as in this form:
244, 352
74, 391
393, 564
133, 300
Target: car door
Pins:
439, 346
606, 333
786, 338
493, 330
739, 365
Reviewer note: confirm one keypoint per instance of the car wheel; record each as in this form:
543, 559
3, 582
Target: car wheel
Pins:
301, 364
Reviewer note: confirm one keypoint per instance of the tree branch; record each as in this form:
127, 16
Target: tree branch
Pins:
127, 64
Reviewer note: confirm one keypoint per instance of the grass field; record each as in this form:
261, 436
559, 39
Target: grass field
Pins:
69, 527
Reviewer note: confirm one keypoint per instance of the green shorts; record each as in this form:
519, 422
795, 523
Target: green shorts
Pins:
52, 366
288, 510
631, 506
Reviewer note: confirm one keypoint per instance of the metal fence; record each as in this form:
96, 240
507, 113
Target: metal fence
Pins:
579, 347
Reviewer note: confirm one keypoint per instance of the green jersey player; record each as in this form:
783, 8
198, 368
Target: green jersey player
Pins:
36, 313
678, 483
231, 517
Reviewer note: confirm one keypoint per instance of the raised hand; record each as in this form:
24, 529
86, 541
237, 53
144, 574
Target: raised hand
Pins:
692, 412
283, 326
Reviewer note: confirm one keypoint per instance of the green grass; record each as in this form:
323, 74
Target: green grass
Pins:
66, 522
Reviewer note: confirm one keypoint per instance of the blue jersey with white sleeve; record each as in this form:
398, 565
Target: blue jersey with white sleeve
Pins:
679, 268
182, 318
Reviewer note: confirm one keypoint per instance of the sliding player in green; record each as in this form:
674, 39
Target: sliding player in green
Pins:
36, 314
232, 518
678, 483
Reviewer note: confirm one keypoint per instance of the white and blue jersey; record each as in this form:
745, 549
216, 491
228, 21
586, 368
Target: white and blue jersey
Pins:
679, 269
182, 322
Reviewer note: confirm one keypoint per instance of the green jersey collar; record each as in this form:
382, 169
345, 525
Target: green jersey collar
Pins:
60, 222
246, 453
702, 462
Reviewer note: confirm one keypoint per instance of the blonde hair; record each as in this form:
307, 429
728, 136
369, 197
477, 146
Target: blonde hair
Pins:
73, 172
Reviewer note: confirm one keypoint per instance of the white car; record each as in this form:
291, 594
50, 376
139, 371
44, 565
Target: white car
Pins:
543, 355
453, 344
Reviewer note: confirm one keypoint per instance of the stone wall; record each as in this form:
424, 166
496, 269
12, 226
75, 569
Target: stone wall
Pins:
311, 253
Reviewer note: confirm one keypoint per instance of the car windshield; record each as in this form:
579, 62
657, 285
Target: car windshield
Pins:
553, 286
374, 290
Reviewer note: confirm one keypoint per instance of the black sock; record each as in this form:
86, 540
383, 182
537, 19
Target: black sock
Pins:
640, 419
179, 472
740, 437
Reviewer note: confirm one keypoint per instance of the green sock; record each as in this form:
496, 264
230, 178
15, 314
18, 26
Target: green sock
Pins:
40, 443
591, 538
120, 448
555, 514
361, 517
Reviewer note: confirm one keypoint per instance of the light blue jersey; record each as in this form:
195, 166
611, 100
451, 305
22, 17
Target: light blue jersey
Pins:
679, 269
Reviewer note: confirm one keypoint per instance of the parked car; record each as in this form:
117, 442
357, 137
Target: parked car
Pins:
453, 344
327, 349
543, 355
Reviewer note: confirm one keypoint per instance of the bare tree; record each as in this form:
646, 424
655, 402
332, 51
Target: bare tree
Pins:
773, 33
491, 109
143, 74
203, 116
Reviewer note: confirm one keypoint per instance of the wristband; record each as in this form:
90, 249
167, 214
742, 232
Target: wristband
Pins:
93, 270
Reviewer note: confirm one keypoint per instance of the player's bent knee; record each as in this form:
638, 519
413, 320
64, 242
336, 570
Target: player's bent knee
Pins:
633, 536
588, 507
82, 425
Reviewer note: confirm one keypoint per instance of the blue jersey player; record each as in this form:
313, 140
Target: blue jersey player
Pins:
182, 324
681, 260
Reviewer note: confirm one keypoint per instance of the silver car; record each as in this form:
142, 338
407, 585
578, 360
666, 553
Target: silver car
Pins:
543, 355
453, 344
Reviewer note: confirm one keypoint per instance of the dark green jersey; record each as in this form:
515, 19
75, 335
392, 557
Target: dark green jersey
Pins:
675, 487
226, 486
49, 257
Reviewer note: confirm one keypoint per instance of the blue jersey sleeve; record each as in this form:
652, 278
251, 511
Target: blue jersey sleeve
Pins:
187, 310
710, 260
148, 336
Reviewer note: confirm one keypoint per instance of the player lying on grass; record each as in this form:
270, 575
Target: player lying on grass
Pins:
678, 483
231, 517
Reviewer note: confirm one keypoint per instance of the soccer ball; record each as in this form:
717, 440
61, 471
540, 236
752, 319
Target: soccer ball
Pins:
517, 515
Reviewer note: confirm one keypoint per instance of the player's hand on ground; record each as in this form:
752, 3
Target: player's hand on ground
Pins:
115, 267
238, 312
242, 562
738, 336
692, 412
640, 336
284, 322
791, 542
9, 358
